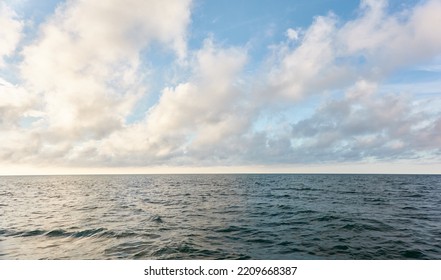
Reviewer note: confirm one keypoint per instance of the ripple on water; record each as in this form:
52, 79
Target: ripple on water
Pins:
221, 217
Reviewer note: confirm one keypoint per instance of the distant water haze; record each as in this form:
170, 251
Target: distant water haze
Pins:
270, 216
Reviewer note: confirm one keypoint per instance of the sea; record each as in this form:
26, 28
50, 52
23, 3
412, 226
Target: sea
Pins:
222, 216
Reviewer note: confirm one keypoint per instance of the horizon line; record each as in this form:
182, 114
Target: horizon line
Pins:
216, 173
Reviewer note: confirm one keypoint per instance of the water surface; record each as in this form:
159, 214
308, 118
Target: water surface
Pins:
221, 217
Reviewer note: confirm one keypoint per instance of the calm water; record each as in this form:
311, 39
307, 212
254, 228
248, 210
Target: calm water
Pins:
221, 217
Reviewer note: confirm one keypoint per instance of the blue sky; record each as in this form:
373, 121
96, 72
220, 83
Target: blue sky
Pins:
201, 86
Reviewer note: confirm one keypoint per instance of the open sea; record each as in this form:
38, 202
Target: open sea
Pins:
274, 216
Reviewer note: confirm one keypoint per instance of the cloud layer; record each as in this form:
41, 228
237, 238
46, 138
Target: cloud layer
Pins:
86, 71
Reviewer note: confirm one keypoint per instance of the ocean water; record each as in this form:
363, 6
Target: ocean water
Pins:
221, 217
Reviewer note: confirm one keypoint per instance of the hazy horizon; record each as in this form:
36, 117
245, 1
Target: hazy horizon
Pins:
221, 170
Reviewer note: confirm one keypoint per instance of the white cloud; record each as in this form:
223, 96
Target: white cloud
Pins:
206, 101
303, 67
86, 61
292, 34
332, 55
10, 32
15, 102
388, 42
192, 117
84, 73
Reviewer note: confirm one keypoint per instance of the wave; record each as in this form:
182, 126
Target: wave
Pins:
94, 232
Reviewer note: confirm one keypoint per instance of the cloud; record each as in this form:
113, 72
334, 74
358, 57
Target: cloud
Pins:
300, 68
87, 70
204, 105
367, 125
18, 143
388, 41
363, 126
15, 102
190, 119
354, 57
292, 34
86, 61
332, 55
10, 32
83, 73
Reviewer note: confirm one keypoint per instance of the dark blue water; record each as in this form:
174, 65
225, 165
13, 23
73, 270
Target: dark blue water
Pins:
221, 217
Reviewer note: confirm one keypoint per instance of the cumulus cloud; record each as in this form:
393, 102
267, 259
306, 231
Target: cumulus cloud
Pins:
18, 143
207, 105
84, 69
10, 32
86, 60
84, 74
388, 41
190, 119
302, 67
363, 126
366, 125
358, 54
332, 55
15, 103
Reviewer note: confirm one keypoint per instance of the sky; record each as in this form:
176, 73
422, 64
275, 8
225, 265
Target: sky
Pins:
204, 86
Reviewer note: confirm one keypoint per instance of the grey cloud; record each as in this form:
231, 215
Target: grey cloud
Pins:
385, 128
